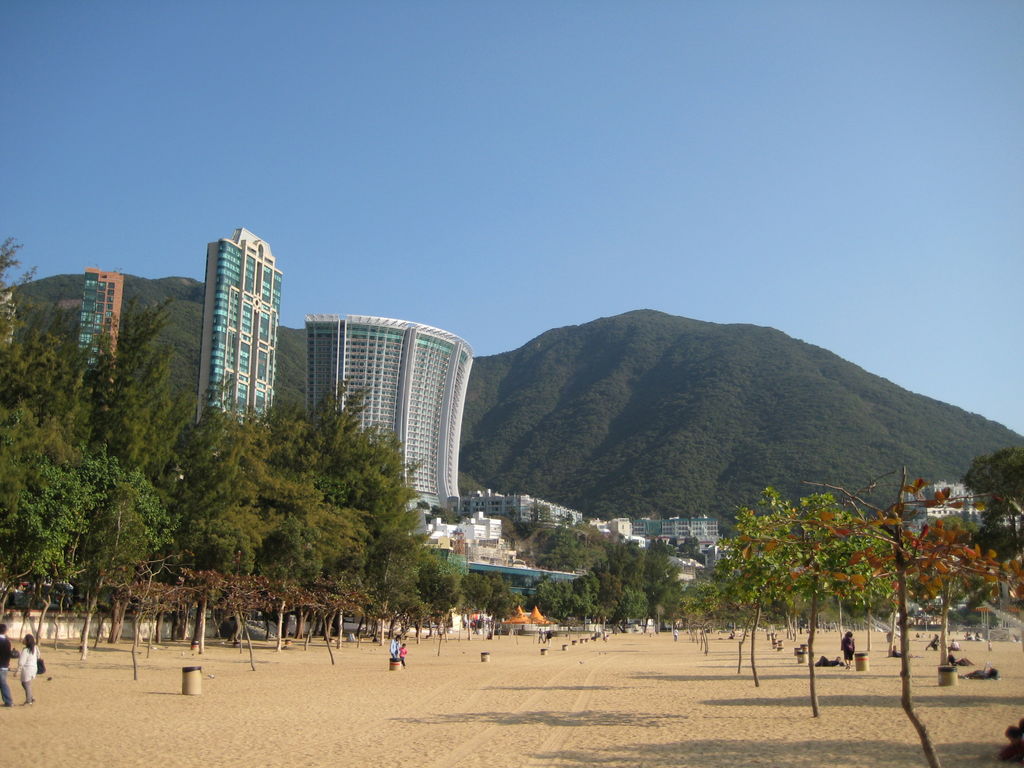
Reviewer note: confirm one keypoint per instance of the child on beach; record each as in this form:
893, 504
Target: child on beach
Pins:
402, 653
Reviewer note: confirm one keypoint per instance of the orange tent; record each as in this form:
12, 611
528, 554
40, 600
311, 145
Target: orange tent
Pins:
536, 617
519, 617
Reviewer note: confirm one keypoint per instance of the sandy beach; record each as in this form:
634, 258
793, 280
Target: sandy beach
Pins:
631, 701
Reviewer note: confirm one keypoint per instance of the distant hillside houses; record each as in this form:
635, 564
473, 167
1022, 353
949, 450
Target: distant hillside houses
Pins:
703, 529
519, 507
477, 539
960, 504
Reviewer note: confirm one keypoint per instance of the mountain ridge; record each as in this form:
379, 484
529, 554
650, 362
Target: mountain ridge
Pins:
648, 413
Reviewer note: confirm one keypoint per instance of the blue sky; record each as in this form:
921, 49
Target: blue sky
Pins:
849, 173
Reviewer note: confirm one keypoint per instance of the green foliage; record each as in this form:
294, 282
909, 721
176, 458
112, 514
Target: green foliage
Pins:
278, 498
646, 412
488, 593
1000, 477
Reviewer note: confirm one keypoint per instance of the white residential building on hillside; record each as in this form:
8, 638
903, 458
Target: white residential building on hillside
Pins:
518, 506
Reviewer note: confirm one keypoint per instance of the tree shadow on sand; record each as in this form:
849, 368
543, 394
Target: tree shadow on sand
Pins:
862, 700
849, 753
555, 718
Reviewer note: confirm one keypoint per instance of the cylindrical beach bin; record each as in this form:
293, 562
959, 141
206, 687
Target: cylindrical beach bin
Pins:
801, 655
192, 681
393, 665
947, 675
860, 661
574, 642
485, 655
543, 651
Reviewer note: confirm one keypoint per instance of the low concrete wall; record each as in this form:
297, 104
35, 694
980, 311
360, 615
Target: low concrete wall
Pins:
68, 626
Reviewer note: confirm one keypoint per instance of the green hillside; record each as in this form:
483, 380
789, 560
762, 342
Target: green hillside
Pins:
184, 326
648, 413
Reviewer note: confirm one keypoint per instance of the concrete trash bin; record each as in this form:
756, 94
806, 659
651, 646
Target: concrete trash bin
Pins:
485, 655
860, 661
191, 681
393, 665
947, 675
543, 651
801, 656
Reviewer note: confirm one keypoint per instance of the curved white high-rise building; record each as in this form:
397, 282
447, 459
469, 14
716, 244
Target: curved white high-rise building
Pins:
412, 379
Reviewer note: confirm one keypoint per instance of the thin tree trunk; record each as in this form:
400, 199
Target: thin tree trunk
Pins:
117, 611
327, 636
280, 626
135, 646
39, 628
753, 640
906, 693
739, 654
248, 641
810, 650
944, 643
99, 632
201, 623
94, 598
893, 619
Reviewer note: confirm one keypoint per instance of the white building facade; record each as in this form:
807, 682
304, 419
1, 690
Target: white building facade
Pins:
520, 507
412, 379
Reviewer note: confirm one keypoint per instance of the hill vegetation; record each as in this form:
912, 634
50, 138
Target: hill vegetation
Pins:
646, 413
650, 414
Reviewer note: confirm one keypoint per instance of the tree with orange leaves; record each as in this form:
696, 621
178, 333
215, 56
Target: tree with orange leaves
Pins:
929, 559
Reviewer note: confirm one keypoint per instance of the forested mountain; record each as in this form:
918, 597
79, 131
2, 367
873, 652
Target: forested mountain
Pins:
646, 413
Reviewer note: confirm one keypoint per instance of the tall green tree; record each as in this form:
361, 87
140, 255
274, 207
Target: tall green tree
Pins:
132, 410
999, 477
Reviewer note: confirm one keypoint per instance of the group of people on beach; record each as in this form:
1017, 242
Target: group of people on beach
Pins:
28, 666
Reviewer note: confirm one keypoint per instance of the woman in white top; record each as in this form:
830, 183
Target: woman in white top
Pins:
27, 665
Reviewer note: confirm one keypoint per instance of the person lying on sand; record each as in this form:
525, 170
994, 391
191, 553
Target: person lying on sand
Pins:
988, 673
953, 661
826, 662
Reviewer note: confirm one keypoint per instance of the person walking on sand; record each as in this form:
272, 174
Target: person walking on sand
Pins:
28, 663
6, 654
402, 653
847, 646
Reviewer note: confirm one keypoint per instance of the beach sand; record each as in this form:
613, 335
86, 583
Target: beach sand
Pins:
631, 701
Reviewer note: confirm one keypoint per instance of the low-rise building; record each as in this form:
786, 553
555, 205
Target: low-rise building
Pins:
519, 507
703, 529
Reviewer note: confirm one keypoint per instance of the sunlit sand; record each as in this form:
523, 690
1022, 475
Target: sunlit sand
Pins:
632, 701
